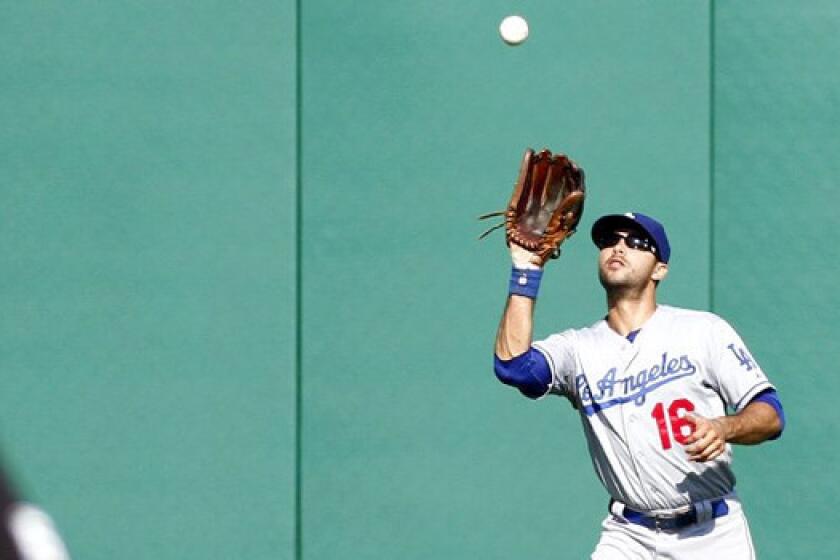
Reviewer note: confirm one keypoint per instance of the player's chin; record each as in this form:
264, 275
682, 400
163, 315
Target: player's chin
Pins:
614, 279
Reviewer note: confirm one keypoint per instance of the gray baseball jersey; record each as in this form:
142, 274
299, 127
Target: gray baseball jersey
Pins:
633, 397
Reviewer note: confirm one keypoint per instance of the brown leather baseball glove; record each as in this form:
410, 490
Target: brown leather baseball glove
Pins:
546, 205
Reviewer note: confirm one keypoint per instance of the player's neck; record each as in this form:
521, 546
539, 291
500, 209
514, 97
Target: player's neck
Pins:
626, 314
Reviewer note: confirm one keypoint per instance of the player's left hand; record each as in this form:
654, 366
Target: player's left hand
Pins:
708, 439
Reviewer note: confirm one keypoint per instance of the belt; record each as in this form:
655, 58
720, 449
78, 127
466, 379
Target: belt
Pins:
701, 511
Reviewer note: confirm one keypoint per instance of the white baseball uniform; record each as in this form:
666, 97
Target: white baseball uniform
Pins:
632, 398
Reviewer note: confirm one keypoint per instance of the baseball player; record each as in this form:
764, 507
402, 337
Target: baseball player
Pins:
662, 393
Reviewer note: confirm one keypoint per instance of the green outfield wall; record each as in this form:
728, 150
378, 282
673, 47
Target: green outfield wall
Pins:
147, 227
243, 310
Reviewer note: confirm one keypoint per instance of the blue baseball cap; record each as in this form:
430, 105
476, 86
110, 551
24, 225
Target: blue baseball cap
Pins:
635, 220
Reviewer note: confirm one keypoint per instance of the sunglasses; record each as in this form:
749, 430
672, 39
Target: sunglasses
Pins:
632, 240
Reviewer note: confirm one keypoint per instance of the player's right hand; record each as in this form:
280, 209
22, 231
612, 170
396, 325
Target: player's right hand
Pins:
523, 258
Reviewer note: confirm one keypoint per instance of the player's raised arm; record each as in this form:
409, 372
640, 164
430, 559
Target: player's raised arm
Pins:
516, 363
516, 327
544, 209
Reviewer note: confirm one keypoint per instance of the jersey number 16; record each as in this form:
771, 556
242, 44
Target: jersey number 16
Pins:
674, 424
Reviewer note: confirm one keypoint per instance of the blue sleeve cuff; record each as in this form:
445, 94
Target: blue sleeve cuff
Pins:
770, 397
528, 372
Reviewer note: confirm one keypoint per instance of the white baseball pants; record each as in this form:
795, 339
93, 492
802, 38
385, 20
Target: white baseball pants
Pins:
725, 538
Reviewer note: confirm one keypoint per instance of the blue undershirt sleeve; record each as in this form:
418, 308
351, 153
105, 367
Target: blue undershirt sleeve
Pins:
528, 372
770, 397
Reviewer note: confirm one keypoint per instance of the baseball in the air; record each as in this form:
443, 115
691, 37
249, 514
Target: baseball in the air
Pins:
514, 30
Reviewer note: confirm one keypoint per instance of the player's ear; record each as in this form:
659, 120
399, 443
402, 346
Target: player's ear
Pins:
660, 271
